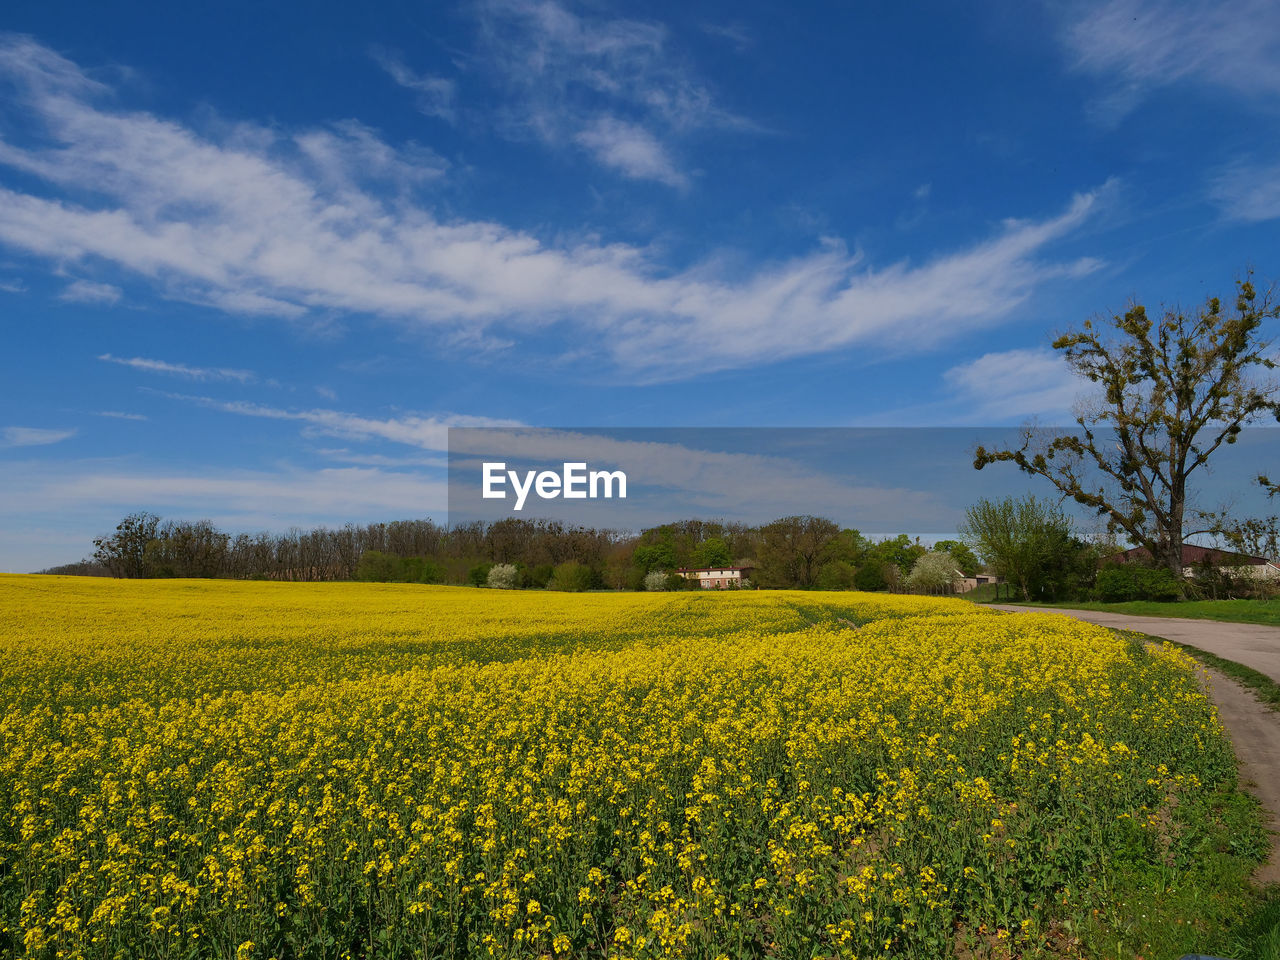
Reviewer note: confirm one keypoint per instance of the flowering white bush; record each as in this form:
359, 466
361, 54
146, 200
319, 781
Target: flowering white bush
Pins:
933, 571
504, 576
655, 580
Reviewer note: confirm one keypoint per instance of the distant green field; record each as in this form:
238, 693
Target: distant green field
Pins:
1234, 611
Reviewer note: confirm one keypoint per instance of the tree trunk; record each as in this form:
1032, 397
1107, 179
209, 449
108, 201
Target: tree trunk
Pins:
1177, 508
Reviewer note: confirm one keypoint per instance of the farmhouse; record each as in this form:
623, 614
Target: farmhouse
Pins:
716, 578
1235, 564
965, 584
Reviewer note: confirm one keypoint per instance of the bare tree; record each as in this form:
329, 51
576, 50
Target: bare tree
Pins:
124, 553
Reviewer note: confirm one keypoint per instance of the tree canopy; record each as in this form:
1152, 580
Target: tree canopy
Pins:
1021, 539
1173, 391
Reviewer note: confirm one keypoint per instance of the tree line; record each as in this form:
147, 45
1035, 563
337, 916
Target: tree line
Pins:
796, 552
145, 546
1030, 544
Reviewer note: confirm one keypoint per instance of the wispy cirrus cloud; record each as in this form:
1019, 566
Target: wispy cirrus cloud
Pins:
382, 460
119, 415
274, 498
612, 85
631, 149
759, 479
997, 388
736, 33
252, 223
428, 432
1016, 384
348, 153
1141, 45
436, 96
32, 436
1248, 190
87, 291
150, 365
50, 512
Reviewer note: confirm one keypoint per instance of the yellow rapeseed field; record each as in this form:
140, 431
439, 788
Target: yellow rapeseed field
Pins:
218, 769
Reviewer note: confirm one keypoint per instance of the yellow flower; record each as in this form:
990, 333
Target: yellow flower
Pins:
489, 766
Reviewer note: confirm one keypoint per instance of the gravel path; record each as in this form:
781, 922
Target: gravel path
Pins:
1254, 729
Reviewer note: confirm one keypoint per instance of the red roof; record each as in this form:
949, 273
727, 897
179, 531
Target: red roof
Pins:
1193, 554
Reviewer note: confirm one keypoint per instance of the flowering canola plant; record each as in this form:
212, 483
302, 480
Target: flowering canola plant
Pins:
225, 769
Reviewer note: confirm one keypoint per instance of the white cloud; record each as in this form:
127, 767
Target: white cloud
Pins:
1248, 191
632, 150
13, 286
251, 223
736, 34
181, 369
119, 415
382, 460
589, 79
349, 153
86, 291
436, 96
1140, 45
1016, 384
273, 499
32, 436
762, 483
428, 432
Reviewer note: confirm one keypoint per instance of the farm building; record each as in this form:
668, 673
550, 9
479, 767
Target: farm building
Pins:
1227, 561
965, 584
716, 578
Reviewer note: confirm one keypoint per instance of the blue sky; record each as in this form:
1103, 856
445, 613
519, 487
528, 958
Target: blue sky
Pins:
255, 261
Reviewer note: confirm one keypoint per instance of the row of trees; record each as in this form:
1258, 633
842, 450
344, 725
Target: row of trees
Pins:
1030, 543
797, 552
415, 550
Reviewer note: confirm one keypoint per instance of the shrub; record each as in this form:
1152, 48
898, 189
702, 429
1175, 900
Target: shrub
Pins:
870, 576
1130, 581
478, 576
655, 580
836, 575
503, 576
378, 567
421, 570
933, 571
572, 577
540, 575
